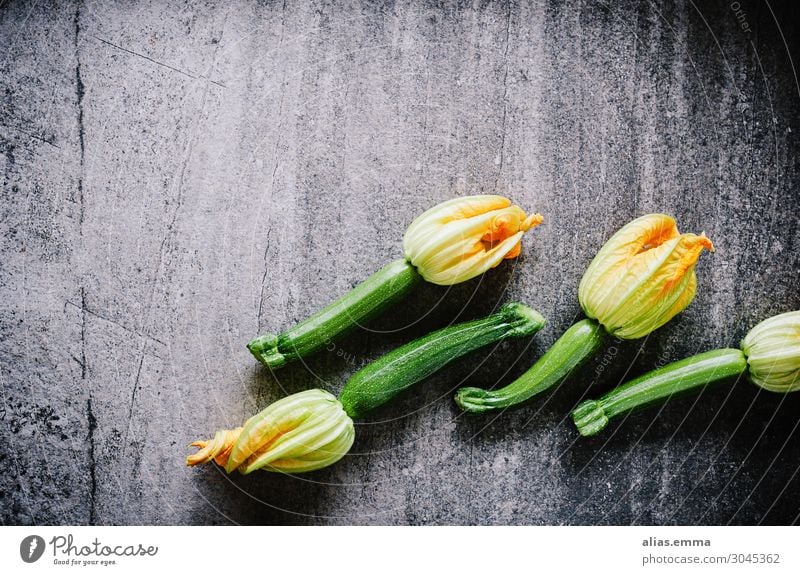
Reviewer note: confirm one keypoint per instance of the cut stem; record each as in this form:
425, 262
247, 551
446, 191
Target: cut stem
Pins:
377, 293
577, 344
387, 376
592, 416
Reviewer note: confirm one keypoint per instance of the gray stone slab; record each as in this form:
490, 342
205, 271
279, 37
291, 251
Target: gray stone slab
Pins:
179, 178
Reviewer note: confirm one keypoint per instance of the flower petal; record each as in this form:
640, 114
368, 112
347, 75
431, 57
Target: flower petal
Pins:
475, 264
641, 235
773, 353
642, 277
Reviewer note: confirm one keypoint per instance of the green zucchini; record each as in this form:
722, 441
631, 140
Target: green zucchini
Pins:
377, 293
592, 416
570, 350
398, 370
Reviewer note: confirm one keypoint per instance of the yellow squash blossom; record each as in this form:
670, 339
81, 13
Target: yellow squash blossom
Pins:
462, 238
302, 432
642, 277
772, 349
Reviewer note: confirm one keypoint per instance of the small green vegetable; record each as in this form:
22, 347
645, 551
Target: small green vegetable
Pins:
592, 416
374, 295
770, 356
578, 343
384, 378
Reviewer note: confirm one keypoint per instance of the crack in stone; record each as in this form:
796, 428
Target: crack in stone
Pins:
80, 91
505, 99
92, 472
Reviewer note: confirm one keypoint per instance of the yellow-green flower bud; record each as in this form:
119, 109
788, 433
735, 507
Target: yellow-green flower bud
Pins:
773, 352
642, 276
302, 432
462, 238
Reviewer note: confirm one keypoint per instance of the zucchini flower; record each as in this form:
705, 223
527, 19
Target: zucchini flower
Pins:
773, 353
451, 243
769, 355
462, 238
641, 278
312, 429
302, 432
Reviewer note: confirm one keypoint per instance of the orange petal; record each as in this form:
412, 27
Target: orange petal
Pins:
690, 247
217, 449
515, 251
531, 222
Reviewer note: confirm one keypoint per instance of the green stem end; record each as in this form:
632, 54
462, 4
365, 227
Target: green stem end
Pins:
590, 418
265, 348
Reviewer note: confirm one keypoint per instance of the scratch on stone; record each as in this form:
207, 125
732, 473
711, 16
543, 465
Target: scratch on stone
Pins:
83, 333
135, 388
85, 309
92, 462
31, 135
275, 165
189, 150
505, 99
80, 91
264, 277
173, 68
90, 418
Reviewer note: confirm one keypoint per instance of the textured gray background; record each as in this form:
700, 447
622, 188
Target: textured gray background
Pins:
179, 177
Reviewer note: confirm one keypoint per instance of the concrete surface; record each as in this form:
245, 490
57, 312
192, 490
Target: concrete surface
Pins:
179, 177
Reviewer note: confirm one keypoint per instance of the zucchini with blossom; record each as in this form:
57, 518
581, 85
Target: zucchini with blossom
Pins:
769, 355
640, 279
313, 429
452, 242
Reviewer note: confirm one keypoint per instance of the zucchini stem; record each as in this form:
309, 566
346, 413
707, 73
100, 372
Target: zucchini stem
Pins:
384, 378
377, 293
570, 350
592, 416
